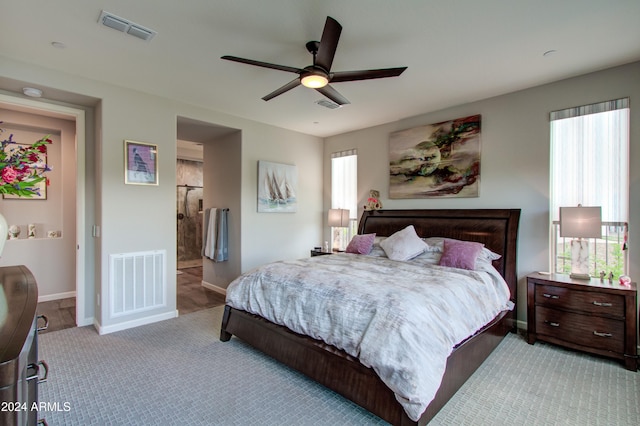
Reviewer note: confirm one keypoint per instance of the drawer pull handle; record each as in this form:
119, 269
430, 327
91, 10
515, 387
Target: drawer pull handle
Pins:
550, 296
43, 364
46, 322
602, 334
604, 304
36, 372
552, 324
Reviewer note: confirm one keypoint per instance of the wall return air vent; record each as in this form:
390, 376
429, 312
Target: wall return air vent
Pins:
124, 25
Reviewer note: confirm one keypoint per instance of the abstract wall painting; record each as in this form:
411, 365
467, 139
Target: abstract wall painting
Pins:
440, 160
277, 187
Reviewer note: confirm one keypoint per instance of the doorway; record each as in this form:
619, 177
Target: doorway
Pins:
73, 219
191, 190
191, 295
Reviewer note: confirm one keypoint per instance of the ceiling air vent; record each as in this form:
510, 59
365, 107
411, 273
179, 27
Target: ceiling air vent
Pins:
327, 104
123, 25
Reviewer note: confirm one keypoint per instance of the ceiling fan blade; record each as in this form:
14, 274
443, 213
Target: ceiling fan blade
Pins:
366, 74
333, 94
262, 64
328, 43
290, 85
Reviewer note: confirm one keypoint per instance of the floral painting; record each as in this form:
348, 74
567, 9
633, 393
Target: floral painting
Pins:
23, 169
436, 161
277, 187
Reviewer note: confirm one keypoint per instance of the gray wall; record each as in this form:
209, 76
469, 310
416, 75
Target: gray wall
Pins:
135, 218
222, 186
515, 159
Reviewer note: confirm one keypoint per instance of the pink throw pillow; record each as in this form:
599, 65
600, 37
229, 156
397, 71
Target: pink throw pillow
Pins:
361, 244
460, 254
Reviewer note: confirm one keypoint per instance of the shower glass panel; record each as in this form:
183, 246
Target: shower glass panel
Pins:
189, 213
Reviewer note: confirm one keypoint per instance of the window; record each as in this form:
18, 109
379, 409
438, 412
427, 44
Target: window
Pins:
344, 193
590, 166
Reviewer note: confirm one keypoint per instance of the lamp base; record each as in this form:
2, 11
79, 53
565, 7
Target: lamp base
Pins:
580, 260
577, 276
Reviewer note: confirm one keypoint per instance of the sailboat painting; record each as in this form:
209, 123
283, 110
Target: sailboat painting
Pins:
277, 187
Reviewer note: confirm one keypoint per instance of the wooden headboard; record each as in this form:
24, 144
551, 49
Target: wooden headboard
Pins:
497, 229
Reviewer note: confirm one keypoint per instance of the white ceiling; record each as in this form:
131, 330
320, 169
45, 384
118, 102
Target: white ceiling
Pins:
456, 51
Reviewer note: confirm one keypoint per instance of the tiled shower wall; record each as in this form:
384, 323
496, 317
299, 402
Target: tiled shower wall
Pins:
188, 205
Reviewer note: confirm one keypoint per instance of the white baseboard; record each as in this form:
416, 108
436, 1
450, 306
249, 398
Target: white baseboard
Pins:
134, 323
56, 296
213, 287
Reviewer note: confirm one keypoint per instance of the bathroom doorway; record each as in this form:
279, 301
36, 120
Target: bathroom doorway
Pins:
202, 152
191, 295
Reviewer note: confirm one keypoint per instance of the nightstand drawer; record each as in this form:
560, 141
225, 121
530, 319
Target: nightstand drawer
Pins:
611, 305
594, 332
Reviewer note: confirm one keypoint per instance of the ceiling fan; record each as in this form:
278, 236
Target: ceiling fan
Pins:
319, 75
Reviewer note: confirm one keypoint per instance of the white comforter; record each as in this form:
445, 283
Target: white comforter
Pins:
400, 318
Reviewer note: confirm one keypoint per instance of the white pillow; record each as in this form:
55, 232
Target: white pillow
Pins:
403, 245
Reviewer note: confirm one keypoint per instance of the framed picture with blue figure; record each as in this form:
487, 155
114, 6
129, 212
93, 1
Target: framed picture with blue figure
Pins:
140, 163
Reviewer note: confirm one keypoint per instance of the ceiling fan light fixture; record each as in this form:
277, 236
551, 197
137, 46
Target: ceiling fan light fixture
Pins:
318, 75
314, 81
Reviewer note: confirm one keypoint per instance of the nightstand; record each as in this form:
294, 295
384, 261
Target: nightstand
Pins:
319, 252
591, 316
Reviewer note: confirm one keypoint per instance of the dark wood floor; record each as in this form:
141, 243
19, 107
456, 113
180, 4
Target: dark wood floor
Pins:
191, 297
61, 314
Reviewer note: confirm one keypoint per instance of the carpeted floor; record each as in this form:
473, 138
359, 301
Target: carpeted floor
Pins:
177, 372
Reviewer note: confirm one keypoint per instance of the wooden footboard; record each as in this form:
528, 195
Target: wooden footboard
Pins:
327, 365
345, 375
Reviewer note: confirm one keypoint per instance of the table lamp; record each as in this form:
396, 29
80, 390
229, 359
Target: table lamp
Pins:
579, 223
338, 218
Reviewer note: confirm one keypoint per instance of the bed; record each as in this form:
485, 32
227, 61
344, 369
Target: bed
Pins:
495, 228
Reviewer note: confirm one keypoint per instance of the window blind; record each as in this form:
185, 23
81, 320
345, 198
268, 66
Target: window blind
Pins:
344, 181
590, 158
590, 109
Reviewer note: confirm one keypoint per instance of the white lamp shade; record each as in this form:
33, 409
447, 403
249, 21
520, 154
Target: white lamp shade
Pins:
338, 218
581, 222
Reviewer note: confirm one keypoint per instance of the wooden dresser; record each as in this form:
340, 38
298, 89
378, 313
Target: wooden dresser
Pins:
592, 316
20, 370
